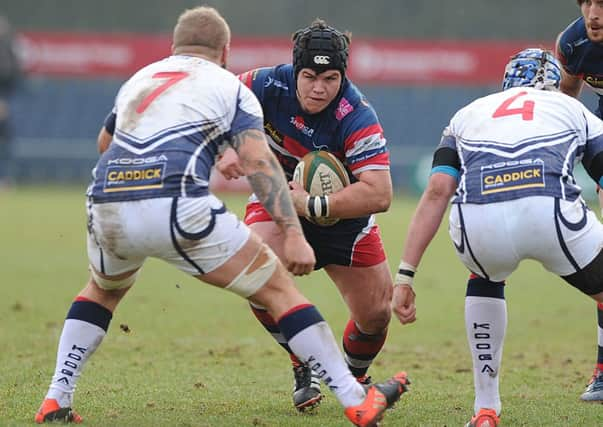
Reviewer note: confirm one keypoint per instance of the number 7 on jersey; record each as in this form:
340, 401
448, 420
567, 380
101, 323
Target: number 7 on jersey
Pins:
172, 77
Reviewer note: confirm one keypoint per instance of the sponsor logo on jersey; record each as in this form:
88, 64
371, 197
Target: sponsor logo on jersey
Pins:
299, 124
133, 177
274, 134
343, 109
137, 160
322, 59
276, 83
512, 177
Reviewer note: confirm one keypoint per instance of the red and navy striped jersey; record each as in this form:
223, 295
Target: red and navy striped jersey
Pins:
348, 127
581, 57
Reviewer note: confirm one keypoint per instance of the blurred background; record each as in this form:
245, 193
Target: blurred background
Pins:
416, 61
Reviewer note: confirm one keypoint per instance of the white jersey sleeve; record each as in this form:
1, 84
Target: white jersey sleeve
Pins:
247, 112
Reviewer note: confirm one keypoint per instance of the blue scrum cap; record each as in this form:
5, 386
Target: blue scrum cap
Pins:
533, 67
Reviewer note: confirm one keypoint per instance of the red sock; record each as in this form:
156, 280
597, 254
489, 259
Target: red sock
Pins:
360, 348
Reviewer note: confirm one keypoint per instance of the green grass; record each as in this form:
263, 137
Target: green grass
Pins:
195, 355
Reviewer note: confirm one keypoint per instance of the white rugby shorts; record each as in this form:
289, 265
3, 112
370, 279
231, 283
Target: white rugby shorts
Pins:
196, 235
492, 239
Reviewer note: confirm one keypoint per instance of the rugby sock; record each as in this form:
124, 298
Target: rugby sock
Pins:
313, 342
270, 325
600, 337
360, 348
84, 329
486, 324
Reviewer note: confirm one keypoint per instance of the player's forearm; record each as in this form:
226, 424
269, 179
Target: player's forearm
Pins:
423, 227
362, 198
267, 179
428, 216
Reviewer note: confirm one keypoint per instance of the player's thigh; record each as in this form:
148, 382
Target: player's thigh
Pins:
367, 291
196, 235
492, 239
244, 258
578, 240
201, 235
270, 234
482, 241
109, 243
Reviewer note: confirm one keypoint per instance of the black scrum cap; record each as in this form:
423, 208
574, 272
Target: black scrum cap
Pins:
320, 48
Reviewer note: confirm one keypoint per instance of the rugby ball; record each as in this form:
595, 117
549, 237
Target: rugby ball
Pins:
321, 173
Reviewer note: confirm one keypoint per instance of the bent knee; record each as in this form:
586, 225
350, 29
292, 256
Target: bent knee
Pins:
255, 275
112, 283
375, 321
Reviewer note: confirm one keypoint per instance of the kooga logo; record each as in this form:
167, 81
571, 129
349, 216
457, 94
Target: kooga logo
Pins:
322, 59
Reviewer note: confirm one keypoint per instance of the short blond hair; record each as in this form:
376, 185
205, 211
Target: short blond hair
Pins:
202, 27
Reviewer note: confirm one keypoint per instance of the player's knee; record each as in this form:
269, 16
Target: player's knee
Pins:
255, 274
480, 287
374, 316
379, 324
108, 284
375, 321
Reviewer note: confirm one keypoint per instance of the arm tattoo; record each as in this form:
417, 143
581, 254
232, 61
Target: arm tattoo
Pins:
247, 136
267, 178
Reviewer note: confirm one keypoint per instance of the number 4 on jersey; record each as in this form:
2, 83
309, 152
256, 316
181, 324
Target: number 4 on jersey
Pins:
172, 77
526, 110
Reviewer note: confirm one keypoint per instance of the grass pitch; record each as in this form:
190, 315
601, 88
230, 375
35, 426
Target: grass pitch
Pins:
192, 355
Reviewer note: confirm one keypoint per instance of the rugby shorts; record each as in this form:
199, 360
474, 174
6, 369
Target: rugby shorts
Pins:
492, 239
350, 242
196, 235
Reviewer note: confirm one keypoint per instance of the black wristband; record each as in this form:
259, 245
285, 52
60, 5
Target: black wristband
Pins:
408, 273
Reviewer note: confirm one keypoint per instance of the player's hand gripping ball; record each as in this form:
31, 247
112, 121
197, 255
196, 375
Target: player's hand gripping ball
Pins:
321, 173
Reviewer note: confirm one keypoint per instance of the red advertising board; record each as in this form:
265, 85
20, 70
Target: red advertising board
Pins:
373, 61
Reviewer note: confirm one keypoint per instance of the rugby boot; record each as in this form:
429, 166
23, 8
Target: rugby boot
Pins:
50, 411
379, 397
306, 389
594, 390
484, 418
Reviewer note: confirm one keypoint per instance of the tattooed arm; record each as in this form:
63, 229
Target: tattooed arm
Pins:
268, 182
266, 177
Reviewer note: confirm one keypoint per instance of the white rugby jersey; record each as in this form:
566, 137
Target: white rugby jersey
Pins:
520, 142
171, 118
